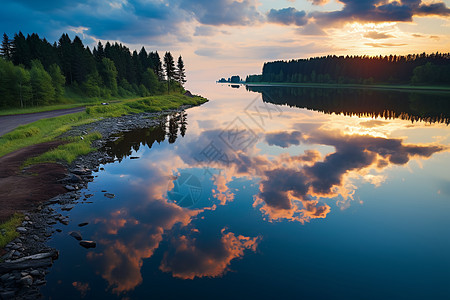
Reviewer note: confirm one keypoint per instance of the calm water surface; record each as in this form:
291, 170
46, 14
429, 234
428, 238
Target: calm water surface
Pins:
271, 193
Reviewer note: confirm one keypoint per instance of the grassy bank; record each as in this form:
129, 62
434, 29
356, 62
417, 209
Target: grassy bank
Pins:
8, 229
417, 88
48, 129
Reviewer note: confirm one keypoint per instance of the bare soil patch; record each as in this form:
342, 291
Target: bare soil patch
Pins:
21, 188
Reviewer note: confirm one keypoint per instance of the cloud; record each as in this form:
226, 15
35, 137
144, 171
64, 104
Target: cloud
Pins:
222, 192
223, 12
189, 258
129, 21
384, 45
375, 35
283, 139
437, 9
204, 31
83, 288
319, 2
122, 257
283, 195
358, 152
373, 123
287, 16
289, 184
312, 29
208, 52
380, 11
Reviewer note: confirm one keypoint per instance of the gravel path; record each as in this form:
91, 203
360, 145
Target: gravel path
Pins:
9, 123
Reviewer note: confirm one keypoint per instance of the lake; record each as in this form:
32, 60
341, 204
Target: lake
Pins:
270, 193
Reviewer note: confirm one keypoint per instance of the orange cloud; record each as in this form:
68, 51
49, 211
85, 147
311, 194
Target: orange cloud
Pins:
290, 184
122, 257
83, 288
193, 257
222, 193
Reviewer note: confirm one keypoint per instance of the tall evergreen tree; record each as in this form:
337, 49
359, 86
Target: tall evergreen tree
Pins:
157, 65
180, 72
169, 66
5, 51
20, 51
143, 58
78, 62
99, 52
65, 56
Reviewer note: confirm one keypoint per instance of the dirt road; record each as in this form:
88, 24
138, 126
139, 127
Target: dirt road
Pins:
9, 123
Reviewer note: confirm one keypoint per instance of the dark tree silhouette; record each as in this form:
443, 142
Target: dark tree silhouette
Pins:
169, 66
156, 62
107, 70
180, 71
390, 69
5, 51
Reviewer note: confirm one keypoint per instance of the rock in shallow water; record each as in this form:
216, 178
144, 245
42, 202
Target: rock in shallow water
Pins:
76, 235
88, 244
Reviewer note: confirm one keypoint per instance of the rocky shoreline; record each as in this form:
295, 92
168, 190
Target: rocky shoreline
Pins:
28, 258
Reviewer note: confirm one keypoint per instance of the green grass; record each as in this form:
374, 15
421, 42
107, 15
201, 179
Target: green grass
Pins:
361, 86
10, 229
48, 129
67, 152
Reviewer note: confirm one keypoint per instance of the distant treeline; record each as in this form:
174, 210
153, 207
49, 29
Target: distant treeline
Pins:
416, 69
426, 107
36, 72
232, 79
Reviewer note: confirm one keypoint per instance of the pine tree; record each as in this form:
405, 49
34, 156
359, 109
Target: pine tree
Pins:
169, 66
5, 51
20, 50
156, 61
65, 56
100, 52
180, 72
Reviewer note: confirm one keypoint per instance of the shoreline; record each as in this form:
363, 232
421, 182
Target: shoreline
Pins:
405, 88
28, 258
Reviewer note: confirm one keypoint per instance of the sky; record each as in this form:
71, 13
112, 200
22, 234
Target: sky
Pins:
220, 38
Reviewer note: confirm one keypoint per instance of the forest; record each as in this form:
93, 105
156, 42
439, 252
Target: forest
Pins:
34, 72
414, 69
